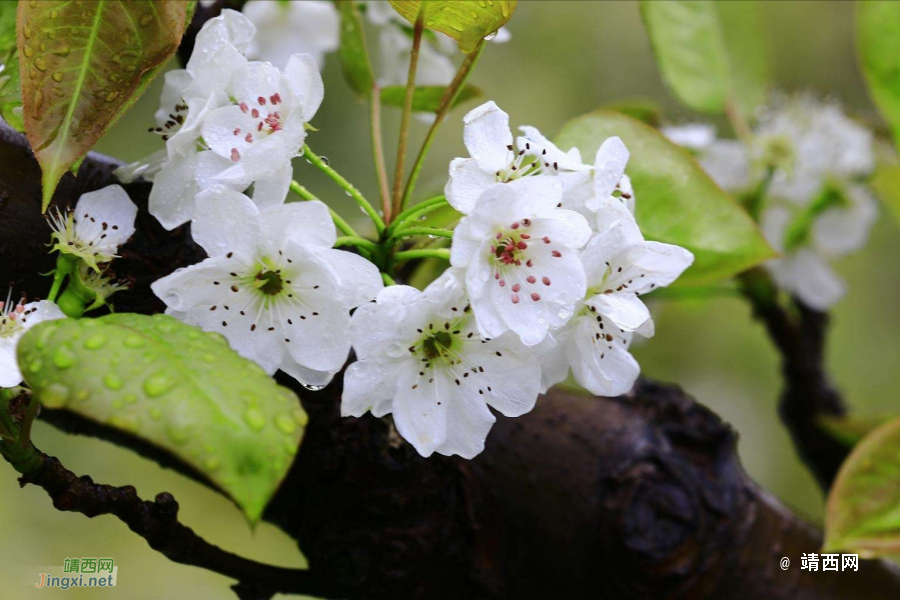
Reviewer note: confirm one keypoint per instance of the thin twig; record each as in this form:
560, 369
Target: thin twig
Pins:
407, 108
378, 152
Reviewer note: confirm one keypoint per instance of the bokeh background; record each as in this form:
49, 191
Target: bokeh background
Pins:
565, 59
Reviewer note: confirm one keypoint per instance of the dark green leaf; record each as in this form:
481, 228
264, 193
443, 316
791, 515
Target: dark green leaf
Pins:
677, 202
87, 62
354, 56
426, 98
10, 87
710, 53
878, 46
863, 514
175, 386
466, 21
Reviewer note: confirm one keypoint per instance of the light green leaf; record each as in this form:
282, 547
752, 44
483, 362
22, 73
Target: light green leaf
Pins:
10, 87
426, 98
863, 512
878, 47
177, 387
87, 62
677, 202
354, 56
886, 183
466, 21
710, 53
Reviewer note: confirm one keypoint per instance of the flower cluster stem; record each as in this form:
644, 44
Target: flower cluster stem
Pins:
345, 185
429, 231
407, 108
414, 212
443, 253
449, 97
378, 152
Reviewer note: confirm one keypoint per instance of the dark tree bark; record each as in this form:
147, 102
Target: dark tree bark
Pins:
634, 497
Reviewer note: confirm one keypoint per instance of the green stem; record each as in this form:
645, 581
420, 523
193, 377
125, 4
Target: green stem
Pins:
414, 212
754, 202
449, 97
429, 231
356, 241
407, 108
25, 425
423, 253
58, 279
387, 279
341, 224
348, 187
378, 152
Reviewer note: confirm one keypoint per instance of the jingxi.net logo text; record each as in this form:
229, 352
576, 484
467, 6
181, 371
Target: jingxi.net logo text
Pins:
80, 572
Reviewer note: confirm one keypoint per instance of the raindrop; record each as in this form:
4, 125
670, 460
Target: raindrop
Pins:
113, 382
155, 413
62, 50
158, 384
212, 463
112, 96
57, 77
314, 388
29, 52
95, 342
64, 358
145, 19
36, 365
134, 341
54, 395
254, 418
285, 424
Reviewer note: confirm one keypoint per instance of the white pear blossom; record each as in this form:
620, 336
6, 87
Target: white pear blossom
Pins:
726, 161
15, 320
620, 267
494, 158
272, 285
286, 28
421, 358
520, 256
229, 121
100, 223
835, 224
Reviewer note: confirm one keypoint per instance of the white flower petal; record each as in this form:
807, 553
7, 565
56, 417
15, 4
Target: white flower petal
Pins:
468, 423
195, 285
272, 191
225, 221
841, 230
308, 223
601, 367
487, 136
302, 74
625, 310
359, 281
809, 277
420, 414
609, 166
467, 182
10, 375
107, 217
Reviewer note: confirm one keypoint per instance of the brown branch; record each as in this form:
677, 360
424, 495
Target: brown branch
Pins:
157, 522
808, 393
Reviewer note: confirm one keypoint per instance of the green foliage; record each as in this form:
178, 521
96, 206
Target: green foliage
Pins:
710, 53
466, 21
878, 47
677, 202
887, 187
177, 387
849, 430
426, 98
87, 63
354, 56
10, 86
863, 513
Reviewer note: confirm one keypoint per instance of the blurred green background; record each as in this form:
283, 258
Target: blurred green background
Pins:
565, 59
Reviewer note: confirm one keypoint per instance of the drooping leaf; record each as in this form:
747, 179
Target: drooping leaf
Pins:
426, 98
85, 64
878, 47
10, 87
863, 512
466, 21
886, 183
677, 202
175, 386
354, 55
710, 53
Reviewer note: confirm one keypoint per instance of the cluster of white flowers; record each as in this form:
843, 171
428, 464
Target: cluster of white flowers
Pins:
534, 289
229, 121
815, 160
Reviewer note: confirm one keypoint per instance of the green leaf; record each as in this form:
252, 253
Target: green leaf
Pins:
886, 183
10, 87
677, 202
644, 110
849, 430
426, 98
87, 62
710, 53
177, 387
863, 512
878, 47
466, 21
354, 56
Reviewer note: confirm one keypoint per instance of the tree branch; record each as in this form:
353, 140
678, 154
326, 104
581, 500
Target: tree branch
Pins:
157, 522
808, 393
